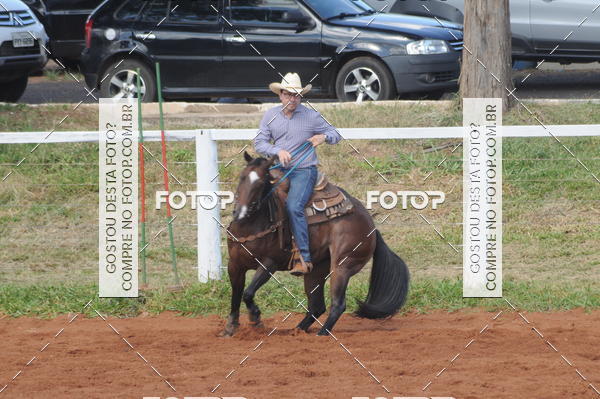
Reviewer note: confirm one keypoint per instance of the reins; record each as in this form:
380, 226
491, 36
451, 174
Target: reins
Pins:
272, 229
293, 154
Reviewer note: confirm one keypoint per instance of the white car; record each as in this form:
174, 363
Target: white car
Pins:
23, 42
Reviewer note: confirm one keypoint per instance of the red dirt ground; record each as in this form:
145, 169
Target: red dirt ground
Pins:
507, 360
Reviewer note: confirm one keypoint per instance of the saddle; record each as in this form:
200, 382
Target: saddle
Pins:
326, 202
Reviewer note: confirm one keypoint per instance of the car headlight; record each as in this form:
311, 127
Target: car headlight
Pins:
427, 47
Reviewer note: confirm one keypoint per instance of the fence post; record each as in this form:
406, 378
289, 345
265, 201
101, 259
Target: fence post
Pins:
209, 237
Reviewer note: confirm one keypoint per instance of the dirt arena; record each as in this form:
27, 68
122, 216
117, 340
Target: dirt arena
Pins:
509, 359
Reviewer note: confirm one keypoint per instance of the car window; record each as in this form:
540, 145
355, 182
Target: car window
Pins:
187, 11
155, 11
130, 10
330, 8
58, 5
261, 11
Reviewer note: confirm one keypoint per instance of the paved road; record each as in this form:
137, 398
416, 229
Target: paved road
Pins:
552, 81
42, 91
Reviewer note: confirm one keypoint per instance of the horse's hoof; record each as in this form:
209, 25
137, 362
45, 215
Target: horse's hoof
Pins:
258, 324
255, 319
297, 331
323, 333
226, 334
229, 331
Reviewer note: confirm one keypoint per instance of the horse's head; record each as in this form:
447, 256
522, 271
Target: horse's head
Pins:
253, 186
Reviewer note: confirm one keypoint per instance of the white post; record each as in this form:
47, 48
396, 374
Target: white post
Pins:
209, 237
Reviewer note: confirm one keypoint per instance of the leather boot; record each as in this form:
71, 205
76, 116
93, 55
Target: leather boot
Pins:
301, 268
297, 264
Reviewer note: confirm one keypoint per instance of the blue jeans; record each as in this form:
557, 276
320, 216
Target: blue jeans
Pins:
302, 181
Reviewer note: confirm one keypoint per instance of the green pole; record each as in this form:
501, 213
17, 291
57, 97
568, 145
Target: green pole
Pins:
166, 174
143, 178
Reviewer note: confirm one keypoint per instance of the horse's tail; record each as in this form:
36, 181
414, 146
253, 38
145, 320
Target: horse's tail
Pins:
388, 287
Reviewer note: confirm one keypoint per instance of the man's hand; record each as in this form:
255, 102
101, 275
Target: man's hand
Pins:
284, 157
317, 139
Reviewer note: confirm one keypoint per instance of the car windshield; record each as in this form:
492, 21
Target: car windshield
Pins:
364, 5
332, 8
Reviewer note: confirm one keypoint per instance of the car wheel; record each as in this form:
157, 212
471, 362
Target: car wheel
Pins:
122, 80
13, 90
364, 79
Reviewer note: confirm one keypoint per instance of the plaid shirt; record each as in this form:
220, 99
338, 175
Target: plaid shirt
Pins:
277, 132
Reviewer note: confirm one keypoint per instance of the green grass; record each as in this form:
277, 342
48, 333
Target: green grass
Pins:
62, 75
22, 117
213, 298
48, 215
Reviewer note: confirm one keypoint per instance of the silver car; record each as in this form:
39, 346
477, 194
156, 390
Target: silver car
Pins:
541, 29
22, 48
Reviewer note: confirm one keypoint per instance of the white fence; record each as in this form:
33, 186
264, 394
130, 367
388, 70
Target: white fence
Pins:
209, 251
351, 134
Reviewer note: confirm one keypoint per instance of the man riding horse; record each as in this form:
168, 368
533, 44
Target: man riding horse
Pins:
343, 236
284, 129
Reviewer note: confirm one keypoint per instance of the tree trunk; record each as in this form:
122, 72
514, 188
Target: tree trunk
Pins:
487, 40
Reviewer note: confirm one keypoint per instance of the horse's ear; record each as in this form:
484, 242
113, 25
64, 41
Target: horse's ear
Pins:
248, 157
270, 162
275, 174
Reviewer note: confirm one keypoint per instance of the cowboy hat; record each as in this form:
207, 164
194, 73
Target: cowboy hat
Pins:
291, 82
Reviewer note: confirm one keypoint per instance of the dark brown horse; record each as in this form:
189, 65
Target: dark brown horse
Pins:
339, 248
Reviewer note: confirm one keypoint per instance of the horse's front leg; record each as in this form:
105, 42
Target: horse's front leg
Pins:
237, 277
263, 274
314, 287
339, 283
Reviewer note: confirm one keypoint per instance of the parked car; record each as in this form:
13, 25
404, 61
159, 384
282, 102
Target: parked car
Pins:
64, 21
438, 8
538, 26
22, 41
334, 44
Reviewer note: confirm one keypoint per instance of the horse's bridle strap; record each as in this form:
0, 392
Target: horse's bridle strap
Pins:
273, 228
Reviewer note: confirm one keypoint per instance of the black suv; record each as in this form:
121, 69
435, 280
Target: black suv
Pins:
235, 48
64, 21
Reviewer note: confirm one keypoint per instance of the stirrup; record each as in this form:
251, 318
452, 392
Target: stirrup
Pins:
297, 266
295, 257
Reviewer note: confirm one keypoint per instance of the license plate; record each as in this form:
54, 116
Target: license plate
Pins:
22, 40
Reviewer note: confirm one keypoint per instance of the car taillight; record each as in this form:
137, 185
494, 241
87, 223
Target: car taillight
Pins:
88, 32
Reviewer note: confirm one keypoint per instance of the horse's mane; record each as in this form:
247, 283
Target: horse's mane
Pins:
257, 161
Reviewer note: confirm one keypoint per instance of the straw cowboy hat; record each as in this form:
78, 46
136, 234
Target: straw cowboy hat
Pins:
291, 82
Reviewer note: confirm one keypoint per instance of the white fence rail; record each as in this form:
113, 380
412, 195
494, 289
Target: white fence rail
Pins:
352, 134
209, 251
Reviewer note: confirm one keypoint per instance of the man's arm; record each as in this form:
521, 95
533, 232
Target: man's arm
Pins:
332, 136
262, 142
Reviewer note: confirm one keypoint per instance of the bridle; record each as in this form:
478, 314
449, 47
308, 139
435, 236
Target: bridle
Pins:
254, 206
275, 226
257, 203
